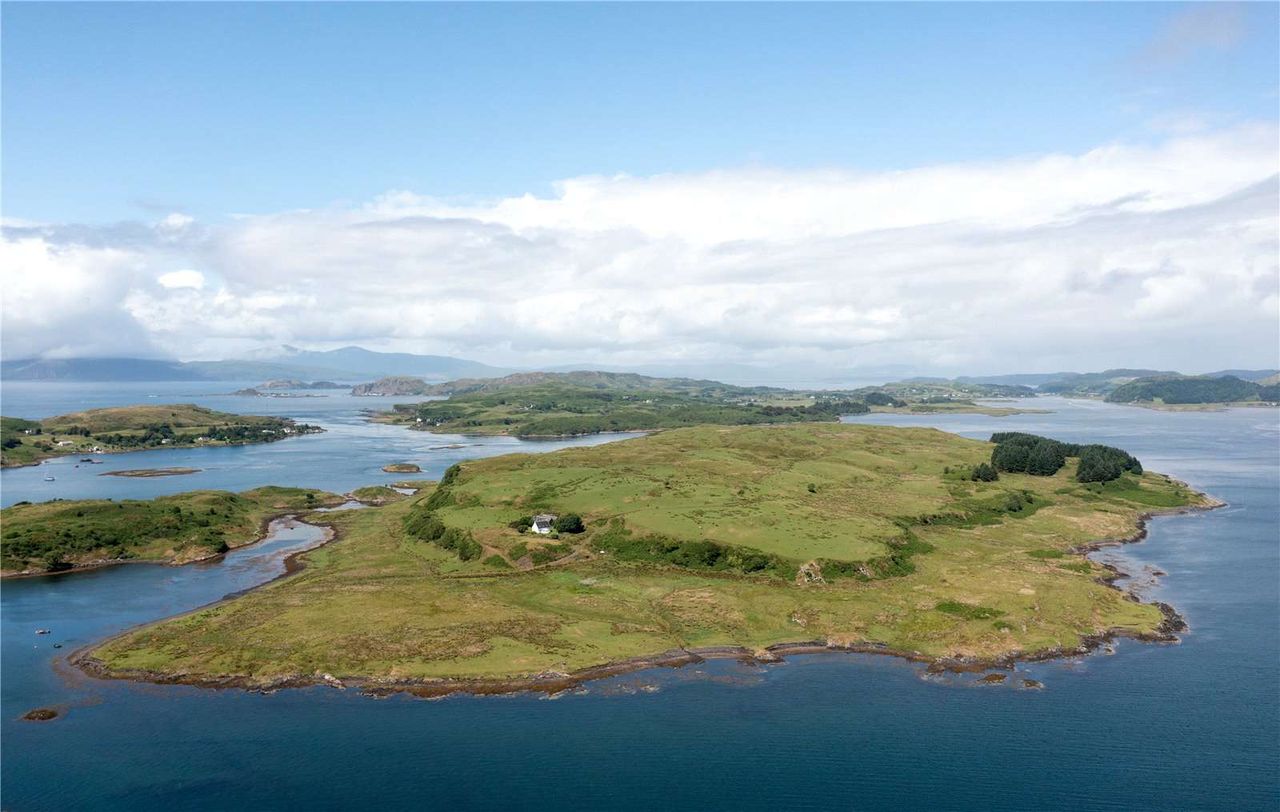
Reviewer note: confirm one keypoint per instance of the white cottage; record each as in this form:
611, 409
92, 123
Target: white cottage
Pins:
543, 523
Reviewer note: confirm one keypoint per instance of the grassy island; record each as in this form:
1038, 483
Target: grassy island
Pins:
133, 428
708, 539
63, 535
563, 404
563, 410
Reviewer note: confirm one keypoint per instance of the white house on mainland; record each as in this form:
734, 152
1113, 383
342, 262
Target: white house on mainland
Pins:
543, 523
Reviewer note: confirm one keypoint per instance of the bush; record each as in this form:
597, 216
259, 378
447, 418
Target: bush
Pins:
968, 611
984, 473
570, 523
701, 554
425, 526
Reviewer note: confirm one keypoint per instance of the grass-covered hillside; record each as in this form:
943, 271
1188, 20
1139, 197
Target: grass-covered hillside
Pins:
702, 537
559, 409
60, 535
130, 428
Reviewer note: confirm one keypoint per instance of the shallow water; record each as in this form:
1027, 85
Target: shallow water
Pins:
1191, 726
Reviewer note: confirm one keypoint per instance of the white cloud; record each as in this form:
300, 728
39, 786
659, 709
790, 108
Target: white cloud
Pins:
1114, 256
181, 279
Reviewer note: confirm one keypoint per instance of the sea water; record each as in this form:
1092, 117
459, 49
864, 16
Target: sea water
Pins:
1188, 726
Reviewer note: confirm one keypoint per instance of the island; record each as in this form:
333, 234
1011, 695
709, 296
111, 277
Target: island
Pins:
255, 393
543, 571
64, 535
147, 473
402, 468
294, 383
134, 428
544, 404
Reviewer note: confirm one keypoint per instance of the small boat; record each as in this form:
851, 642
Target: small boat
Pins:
48, 479
42, 631
86, 459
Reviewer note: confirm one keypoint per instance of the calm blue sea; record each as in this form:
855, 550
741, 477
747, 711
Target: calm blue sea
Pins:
1191, 726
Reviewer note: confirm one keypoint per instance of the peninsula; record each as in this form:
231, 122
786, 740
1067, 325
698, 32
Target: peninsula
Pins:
543, 570
63, 535
134, 428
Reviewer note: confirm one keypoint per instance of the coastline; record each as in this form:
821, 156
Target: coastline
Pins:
555, 682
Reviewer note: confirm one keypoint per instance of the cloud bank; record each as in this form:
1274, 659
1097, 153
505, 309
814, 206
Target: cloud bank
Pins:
1163, 254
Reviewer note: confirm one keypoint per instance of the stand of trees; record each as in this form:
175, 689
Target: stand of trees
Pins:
1018, 452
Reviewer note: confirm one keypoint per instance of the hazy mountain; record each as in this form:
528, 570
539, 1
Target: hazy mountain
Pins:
96, 369
349, 364
362, 363
1255, 375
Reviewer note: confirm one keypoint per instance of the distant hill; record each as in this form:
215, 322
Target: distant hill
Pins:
401, 386
96, 369
1255, 375
1094, 383
362, 363
347, 364
1193, 389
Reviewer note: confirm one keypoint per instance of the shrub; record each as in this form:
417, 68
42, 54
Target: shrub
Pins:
570, 523
984, 472
968, 611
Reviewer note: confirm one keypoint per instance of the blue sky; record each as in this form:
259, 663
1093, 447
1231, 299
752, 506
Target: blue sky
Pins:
831, 187
117, 111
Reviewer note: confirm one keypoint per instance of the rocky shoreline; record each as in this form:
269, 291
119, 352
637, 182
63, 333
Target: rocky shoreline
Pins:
555, 682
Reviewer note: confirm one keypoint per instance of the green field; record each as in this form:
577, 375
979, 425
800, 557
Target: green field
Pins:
852, 535
60, 535
132, 428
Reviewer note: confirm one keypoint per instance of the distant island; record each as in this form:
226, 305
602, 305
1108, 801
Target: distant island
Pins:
148, 473
540, 571
564, 404
134, 428
294, 383
1138, 387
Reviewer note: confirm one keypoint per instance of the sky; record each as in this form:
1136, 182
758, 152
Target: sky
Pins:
946, 188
